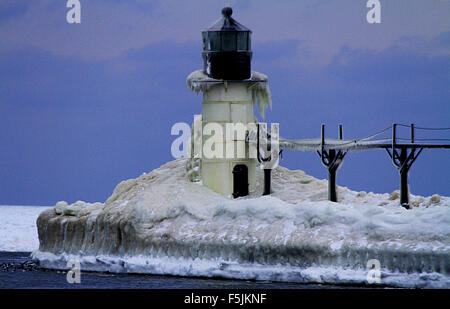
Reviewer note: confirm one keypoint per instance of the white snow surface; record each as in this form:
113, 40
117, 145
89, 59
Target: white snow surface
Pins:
18, 230
183, 228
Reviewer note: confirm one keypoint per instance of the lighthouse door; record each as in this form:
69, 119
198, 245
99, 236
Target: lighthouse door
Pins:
240, 180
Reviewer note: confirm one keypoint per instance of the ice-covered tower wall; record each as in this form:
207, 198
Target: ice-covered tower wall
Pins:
228, 102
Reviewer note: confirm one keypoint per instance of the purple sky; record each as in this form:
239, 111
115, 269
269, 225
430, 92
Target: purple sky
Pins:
85, 106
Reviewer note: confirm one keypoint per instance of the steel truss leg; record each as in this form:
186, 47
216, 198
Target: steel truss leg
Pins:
403, 162
267, 172
267, 180
332, 160
332, 194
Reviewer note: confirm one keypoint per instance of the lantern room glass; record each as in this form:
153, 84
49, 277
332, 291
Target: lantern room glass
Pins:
226, 41
242, 41
214, 41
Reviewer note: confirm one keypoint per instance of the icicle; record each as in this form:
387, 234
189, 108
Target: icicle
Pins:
198, 81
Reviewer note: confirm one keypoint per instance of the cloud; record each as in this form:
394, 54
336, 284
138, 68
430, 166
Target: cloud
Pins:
110, 28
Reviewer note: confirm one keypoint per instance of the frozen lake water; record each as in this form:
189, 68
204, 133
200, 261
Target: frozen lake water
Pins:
18, 271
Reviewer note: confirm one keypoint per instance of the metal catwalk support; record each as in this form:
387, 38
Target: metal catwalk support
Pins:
267, 172
267, 181
403, 155
403, 161
332, 160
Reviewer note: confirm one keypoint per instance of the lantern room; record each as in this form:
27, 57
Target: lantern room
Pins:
227, 49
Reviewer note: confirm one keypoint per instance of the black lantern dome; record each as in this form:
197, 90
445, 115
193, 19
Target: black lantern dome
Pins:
227, 50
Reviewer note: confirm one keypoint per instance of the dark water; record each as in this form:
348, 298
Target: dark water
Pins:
17, 270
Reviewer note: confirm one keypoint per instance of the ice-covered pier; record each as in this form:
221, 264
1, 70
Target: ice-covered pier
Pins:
161, 223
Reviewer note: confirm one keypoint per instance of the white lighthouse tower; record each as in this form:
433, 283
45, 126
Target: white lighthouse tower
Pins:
230, 89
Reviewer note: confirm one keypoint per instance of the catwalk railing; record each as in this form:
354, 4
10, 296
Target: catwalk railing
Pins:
402, 151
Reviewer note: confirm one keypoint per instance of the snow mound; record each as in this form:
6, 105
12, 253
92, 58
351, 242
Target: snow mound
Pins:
163, 223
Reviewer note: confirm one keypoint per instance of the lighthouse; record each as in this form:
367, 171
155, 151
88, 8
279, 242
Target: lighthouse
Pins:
224, 161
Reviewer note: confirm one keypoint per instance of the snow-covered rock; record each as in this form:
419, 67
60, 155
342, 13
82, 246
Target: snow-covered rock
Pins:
163, 223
